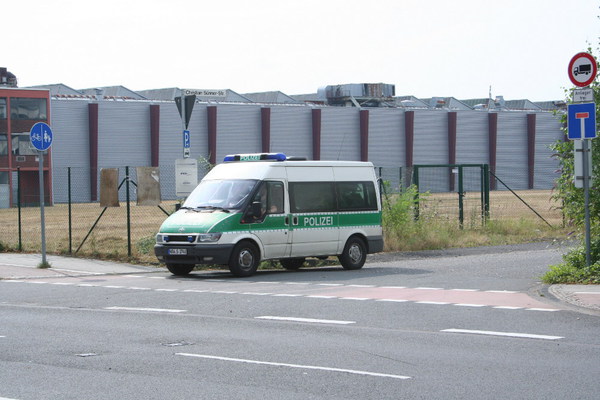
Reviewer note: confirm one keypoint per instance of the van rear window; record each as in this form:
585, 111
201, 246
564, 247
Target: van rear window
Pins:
330, 196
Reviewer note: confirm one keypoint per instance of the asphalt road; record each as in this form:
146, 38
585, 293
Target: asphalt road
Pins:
472, 324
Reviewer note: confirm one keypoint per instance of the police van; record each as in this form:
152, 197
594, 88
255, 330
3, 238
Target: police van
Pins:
256, 207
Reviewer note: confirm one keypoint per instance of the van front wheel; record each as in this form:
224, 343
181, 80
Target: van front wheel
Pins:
244, 259
354, 254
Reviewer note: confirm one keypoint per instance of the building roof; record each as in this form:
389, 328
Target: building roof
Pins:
113, 92
271, 97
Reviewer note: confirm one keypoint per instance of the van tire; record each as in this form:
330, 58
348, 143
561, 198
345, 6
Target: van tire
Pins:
292, 264
180, 269
354, 254
244, 259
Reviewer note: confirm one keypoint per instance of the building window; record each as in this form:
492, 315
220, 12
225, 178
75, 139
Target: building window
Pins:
3, 145
29, 109
21, 145
2, 108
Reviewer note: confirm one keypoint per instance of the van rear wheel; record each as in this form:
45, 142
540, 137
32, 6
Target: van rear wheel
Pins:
244, 259
180, 269
354, 254
292, 263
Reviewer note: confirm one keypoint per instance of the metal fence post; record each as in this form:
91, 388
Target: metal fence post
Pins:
416, 183
70, 211
19, 207
461, 212
486, 192
128, 213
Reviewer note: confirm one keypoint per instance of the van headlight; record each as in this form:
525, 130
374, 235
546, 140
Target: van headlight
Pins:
209, 237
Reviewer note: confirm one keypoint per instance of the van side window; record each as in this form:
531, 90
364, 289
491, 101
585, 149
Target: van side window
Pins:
355, 196
312, 197
268, 199
275, 195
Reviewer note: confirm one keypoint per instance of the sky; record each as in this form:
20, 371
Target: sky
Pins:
519, 49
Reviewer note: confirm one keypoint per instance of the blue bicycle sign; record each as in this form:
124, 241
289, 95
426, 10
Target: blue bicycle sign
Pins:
40, 136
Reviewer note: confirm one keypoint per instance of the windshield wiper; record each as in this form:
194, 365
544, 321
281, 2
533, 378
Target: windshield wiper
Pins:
207, 208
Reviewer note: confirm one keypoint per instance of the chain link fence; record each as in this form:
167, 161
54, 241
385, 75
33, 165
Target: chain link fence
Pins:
77, 224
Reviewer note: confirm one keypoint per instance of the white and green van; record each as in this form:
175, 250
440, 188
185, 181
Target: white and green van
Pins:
256, 207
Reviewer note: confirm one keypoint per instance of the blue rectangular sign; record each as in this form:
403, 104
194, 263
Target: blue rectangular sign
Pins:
186, 139
581, 122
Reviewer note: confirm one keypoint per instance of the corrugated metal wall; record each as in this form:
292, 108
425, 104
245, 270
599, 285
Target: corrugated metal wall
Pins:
291, 131
238, 130
124, 139
545, 165
511, 156
70, 148
340, 134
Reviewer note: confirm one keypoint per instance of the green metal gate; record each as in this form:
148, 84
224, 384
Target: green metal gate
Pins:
438, 179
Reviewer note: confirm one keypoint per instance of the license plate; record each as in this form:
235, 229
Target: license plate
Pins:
177, 252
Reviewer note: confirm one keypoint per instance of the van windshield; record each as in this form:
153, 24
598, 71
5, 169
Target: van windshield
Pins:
226, 194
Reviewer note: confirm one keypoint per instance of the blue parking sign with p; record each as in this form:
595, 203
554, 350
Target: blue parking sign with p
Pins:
581, 121
186, 139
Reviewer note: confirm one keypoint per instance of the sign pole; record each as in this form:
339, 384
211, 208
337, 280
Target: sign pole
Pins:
586, 199
42, 217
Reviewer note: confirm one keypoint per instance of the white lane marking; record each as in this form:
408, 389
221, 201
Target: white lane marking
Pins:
509, 334
195, 291
501, 291
465, 290
586, 292
330, 284
508, 308
6, 398
542, 309
362, 286
314, 367
432, 302
114, 287
286, 295
469, 305
258, 294
138, 288
429, 288
166, 290
355, 298
393, 287
318, 321
322, 297
2, 337
63, 283
394, 300
144, 309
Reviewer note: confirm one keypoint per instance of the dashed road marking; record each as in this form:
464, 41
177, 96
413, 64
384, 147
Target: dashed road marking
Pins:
496, 299
312, 320
167, 310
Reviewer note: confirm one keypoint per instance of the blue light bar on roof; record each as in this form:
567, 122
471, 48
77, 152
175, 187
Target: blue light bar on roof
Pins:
255, 157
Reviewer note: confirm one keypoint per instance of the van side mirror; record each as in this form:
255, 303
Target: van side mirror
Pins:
255, 210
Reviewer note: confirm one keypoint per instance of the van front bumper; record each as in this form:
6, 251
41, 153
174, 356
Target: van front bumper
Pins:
198, 254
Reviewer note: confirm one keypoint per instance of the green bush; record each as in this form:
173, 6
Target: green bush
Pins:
574, 268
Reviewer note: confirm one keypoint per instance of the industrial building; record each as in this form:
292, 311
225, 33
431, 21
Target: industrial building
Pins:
116, 127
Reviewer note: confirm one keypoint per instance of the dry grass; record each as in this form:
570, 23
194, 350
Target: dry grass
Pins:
109, 237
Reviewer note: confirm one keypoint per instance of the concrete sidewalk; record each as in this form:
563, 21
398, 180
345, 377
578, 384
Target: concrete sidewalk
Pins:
24, 266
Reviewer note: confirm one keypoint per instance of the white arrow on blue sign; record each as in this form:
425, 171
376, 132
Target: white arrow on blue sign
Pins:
40, 136
581, 122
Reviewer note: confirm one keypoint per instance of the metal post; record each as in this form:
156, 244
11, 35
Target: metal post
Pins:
586, 196
43, 222
416, 183
70, 212
128, 213
19, 207
461, 213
